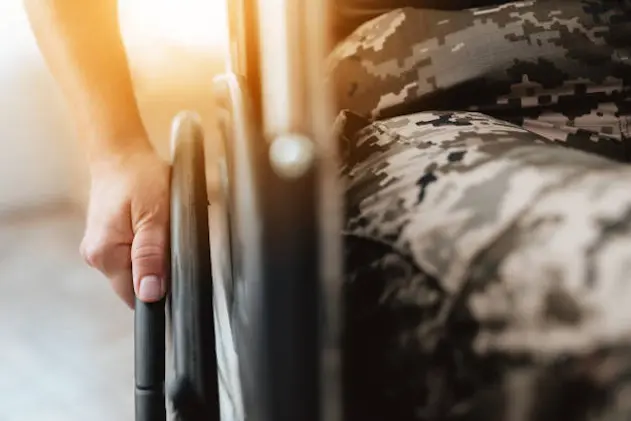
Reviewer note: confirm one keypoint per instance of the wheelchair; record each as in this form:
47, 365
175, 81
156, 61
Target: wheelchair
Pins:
282, 255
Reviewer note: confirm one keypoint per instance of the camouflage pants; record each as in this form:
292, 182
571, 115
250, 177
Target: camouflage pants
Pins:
488, 250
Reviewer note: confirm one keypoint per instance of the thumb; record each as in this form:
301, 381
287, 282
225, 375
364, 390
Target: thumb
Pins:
148, 260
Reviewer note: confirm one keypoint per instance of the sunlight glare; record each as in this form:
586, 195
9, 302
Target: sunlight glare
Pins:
190, 23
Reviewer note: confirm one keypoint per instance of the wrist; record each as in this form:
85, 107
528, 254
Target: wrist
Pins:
116, 152
111, 130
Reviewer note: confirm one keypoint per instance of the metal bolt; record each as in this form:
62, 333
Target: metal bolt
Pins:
291, 155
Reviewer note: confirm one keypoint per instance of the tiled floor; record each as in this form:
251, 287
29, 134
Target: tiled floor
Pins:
66, 343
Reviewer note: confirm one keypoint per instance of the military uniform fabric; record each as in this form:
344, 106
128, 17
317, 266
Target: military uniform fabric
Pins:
488, 201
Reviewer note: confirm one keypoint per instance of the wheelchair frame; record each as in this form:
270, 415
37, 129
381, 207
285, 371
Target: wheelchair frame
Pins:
283, 215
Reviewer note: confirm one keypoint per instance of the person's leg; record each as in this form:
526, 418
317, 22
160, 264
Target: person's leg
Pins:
488, 274
487, 268
350, 14
558, 67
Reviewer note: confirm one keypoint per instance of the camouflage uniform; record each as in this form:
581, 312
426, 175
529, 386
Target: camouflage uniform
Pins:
488, 249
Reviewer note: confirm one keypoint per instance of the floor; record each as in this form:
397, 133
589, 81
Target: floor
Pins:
66, 343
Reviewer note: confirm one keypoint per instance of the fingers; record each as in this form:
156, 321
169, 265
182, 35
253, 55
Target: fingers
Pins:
148, 259
113, 259
136, 269
127, 225
122, 286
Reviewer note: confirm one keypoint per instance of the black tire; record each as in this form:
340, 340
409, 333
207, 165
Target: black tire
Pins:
194, 390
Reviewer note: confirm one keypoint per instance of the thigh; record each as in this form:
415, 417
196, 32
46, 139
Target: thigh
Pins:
557, 67
487, 273
350, 14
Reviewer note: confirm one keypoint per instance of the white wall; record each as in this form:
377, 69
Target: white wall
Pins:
41, 160
36, 162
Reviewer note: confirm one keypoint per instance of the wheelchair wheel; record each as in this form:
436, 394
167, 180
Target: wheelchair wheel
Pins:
193, 391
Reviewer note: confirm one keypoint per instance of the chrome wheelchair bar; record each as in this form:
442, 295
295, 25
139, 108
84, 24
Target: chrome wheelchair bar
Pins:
297, 120
287, 313
294, 41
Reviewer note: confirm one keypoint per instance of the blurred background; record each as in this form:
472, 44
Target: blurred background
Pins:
66, 342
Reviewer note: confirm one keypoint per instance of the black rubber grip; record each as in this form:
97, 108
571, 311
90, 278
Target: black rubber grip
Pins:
149, 367
149, 338
150, 405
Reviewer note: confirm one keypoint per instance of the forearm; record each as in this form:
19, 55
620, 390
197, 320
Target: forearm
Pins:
81, 42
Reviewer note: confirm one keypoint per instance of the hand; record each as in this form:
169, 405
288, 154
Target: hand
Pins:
128, 221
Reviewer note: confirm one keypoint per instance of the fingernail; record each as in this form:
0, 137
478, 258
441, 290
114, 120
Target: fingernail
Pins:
150, 289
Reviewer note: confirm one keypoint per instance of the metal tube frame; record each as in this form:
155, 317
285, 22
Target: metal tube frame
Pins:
286, 209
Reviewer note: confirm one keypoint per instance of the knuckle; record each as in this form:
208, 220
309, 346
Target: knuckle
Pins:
94, 251
92, 256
